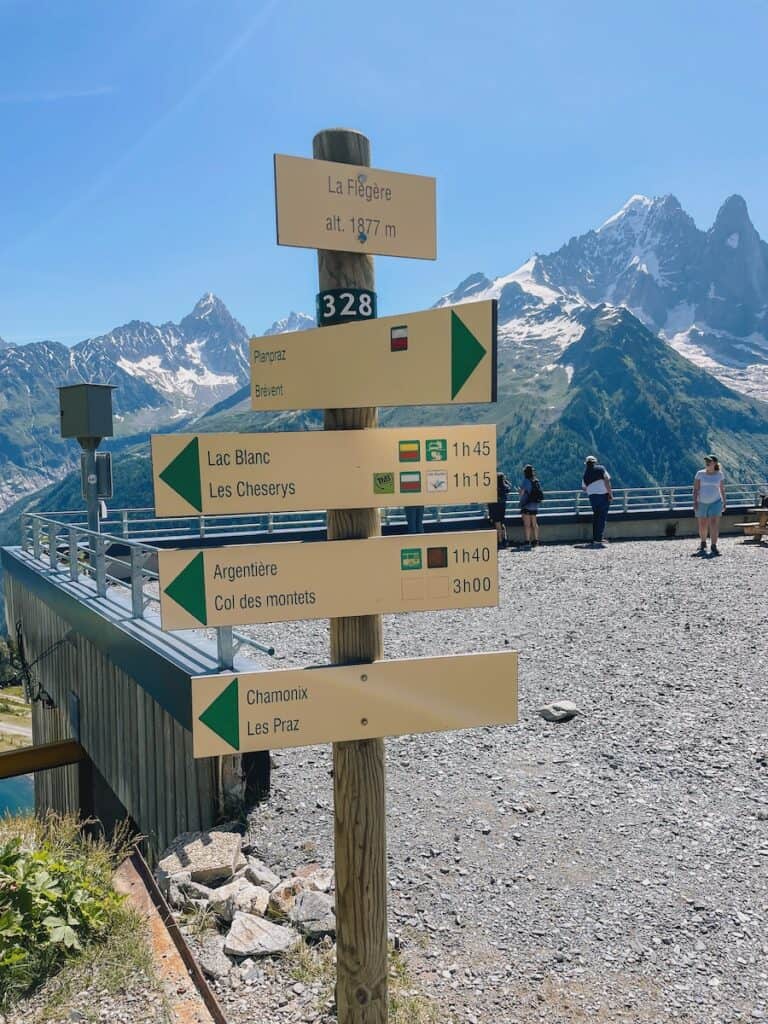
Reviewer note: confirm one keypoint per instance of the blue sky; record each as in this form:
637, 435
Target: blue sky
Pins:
136, 138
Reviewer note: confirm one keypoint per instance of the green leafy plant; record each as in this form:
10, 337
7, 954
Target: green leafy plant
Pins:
56, 898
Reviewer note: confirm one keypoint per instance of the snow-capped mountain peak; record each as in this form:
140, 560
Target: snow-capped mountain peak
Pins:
706, 292
635, 209
292, 322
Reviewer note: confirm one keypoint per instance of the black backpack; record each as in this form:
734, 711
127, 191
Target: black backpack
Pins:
537, 495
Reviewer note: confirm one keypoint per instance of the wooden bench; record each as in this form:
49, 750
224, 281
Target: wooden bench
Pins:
756, 528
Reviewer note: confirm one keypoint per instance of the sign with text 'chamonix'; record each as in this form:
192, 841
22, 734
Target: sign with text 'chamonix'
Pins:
443, 356
232, 474
320, 204
281, 582
299, 707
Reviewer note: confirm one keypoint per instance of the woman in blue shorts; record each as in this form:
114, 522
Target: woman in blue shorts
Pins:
709, 503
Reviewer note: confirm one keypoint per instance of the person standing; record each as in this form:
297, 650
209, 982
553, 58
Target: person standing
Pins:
497, 509
597, 483
530, 492
414, 517
709, 504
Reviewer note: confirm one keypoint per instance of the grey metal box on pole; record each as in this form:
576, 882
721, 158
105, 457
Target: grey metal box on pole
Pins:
86, 410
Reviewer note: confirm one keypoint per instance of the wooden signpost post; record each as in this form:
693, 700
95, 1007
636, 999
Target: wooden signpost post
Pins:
360, 810
348, 211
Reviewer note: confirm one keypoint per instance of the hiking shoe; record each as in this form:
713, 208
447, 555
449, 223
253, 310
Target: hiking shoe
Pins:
713, 551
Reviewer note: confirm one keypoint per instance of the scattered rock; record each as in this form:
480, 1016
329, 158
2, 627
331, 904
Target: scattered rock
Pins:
313, 914
251, 899
559, 711
315, 877
222, 900
255, 936
205, 856
258, 873
282, 899
211, 956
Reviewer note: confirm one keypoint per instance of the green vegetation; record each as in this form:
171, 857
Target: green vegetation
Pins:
58, 908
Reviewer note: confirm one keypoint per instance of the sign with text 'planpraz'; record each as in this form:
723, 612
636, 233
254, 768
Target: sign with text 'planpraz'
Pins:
320, 204
299, 707
441, 356
231, 474
252, 583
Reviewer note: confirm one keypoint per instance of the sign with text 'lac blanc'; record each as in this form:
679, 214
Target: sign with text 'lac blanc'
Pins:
299, 707
231, 474
320, 204
252, 583
441, 356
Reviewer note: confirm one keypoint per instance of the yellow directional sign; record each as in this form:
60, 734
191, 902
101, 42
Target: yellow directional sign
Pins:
296, 708
326, 205
230, 474
252, 583
437, 357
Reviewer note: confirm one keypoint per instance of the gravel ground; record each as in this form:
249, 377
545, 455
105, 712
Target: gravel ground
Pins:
613, 868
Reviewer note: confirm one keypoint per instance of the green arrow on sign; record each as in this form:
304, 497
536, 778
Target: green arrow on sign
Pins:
223, 716
466, 353
188, 589
183, 475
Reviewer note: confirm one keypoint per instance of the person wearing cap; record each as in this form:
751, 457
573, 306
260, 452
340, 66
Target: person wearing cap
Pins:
597, 483
709, 504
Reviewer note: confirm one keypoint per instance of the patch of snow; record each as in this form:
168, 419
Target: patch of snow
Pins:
635, 208
733, 240
569, 373
522, 276
680, 318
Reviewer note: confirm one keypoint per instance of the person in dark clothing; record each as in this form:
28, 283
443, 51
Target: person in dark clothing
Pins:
414, 517
497, 509
529, 507
597, 483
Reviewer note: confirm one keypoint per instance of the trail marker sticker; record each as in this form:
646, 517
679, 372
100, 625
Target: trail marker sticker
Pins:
298, 707
436, 357
230, 474
252, 583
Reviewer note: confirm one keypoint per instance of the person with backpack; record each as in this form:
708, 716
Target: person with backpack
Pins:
597, 483
531, 496
497, 509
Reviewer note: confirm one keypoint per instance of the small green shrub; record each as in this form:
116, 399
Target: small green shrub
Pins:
55, 899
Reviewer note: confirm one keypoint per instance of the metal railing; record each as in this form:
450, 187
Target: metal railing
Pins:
134, 523
118, 564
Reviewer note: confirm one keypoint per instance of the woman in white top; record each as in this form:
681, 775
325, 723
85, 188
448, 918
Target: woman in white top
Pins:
709, 503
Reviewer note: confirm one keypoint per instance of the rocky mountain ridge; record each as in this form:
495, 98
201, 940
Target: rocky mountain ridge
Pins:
704, 292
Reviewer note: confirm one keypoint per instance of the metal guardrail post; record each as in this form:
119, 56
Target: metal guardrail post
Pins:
101, 566
626, 500
24, 531
37, 548
137, 583
270, 523
124, 522
73, 567
53, 538
201, 526
438, 514
225, 648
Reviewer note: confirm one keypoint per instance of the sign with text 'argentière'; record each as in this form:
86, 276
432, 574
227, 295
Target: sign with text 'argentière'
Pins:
441, 356
320, 204
298, 707
281, 582
233, 474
